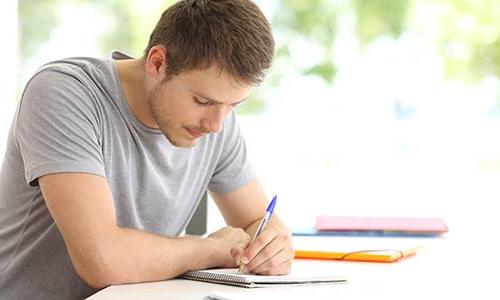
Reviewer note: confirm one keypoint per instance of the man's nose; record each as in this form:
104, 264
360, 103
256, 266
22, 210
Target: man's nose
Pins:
213, 121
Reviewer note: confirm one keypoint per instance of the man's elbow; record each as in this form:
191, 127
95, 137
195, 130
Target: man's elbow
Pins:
95, 281
98, 270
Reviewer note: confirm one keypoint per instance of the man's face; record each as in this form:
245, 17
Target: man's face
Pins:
194, 103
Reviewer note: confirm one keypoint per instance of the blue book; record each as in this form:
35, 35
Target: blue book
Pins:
363, 233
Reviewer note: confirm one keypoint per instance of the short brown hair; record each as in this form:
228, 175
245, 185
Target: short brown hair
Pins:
233, 34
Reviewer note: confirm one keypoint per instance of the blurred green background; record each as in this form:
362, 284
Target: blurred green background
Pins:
466, 33
372, 107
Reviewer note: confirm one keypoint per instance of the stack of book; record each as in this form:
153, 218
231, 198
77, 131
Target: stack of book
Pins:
355, 238
375, 226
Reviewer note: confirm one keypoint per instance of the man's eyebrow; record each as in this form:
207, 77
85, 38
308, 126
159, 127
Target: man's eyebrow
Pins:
215, 101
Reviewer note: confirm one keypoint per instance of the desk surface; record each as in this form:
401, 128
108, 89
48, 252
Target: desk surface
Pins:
443, 268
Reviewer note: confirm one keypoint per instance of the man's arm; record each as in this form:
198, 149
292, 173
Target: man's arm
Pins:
272, 252
104, 253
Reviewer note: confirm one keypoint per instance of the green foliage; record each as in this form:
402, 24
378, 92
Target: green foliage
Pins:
470, 38
380, 17
121, 33
131, 22
486, 58
466, 33
255, 105
37, 19
325, 70
313, 21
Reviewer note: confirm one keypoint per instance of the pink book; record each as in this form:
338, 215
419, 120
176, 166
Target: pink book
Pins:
342, 223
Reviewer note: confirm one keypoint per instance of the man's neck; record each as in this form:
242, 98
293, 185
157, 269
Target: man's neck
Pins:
132, 80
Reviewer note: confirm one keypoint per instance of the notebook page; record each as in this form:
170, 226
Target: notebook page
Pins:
298, 274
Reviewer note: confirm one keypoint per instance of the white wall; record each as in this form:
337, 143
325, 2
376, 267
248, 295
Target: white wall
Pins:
8, 71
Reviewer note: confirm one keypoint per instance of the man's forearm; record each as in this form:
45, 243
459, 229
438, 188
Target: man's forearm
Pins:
136, 256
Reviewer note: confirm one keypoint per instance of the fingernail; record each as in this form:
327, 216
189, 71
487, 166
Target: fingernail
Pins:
238, 259
244, 270
244, 260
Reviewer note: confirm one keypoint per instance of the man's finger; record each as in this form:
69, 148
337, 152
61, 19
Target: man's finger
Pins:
282, 269
264, 238
269, 251
274, 265
237, 251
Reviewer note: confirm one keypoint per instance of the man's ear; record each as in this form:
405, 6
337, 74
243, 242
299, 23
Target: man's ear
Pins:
156, 62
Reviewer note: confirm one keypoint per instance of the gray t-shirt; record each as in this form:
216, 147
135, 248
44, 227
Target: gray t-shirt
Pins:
73, 117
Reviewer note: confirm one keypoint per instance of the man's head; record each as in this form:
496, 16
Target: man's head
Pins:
203, 57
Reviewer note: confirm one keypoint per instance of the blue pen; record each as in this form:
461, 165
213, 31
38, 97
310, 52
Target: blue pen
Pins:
263, 222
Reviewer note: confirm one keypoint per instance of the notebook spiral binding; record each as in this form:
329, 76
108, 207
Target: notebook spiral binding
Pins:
217, 278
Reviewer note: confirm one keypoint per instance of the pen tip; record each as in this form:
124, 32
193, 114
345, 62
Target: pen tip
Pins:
272, 204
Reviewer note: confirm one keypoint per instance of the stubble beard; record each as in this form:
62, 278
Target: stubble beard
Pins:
165, 125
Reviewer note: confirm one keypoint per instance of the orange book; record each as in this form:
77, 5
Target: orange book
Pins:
354, 249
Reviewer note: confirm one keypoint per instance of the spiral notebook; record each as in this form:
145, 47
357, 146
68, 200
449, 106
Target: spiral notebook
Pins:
232, 277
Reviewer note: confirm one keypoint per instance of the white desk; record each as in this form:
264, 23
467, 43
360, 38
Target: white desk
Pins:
445, 268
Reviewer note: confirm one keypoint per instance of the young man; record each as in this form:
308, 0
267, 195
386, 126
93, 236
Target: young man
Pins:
107, 159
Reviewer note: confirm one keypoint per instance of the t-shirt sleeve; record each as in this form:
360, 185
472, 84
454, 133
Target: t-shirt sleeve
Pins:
57, 127
234, 169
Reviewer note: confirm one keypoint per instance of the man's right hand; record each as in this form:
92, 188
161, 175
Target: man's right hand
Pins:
230, 237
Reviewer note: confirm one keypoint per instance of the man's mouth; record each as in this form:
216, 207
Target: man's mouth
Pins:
195, 134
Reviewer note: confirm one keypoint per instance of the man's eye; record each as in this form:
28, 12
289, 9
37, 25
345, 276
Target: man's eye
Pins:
200, 102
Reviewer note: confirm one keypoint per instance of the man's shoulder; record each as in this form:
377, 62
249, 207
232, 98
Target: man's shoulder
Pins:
72, 82
79, 68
